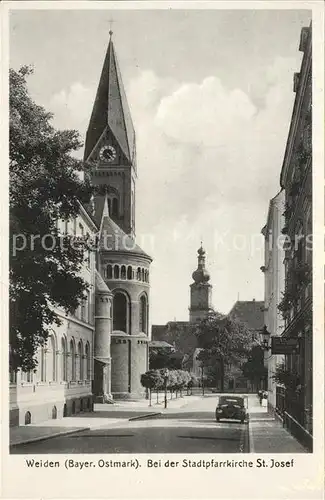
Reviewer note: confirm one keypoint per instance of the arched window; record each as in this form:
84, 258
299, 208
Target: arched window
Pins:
64, 360
115, 207
119, 312
43, 364
87, 361
142, 274
138, 274
116, 272
73, 360
80, 356
109, 272
143, 314
129, 272
123, 273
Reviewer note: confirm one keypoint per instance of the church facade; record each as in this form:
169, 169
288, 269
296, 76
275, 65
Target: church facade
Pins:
110, 157
99, 353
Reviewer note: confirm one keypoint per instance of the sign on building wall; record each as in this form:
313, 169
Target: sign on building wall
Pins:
285, 345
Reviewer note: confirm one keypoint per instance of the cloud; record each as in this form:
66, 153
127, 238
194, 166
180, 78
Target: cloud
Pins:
72, 108
209, 162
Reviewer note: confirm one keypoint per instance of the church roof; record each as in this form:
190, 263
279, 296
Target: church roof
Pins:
160, 343
113, 238
111, 110
100, 284
249, 312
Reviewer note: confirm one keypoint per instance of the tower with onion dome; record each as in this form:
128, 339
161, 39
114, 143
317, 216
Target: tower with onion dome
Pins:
201, 290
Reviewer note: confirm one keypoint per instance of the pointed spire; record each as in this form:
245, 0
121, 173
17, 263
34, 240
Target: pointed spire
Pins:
105, 214
105, 209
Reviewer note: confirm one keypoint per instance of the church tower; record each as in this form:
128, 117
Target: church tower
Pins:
110, 147
122, 320
201, 291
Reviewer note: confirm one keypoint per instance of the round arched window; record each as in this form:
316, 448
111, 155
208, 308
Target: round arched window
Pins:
120, 312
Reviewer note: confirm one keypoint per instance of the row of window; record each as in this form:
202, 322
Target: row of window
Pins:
115, 271
83, 311
65, 365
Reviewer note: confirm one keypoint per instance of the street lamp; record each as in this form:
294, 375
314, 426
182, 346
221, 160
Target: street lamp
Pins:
166, 373
265, 334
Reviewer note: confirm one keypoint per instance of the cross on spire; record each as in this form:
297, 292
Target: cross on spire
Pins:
111, 22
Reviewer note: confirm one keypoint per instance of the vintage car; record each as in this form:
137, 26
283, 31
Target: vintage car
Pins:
232, 407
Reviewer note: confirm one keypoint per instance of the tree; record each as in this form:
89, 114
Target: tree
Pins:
44, 187
254, 368
164, 357
290, 379
152, 379
223, 341
193, 382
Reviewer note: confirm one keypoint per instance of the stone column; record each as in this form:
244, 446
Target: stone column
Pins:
103, 329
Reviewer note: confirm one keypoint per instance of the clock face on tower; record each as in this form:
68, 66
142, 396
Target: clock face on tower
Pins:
107, 153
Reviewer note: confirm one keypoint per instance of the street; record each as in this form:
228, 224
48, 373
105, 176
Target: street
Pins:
190, 429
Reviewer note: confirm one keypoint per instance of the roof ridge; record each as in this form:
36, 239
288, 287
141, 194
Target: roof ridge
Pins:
135, 248
119, 83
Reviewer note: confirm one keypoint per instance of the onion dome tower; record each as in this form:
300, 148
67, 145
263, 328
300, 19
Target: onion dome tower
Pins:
200, 290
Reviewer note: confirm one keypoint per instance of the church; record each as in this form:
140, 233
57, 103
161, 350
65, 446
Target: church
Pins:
121, 348
98, 353
179, 333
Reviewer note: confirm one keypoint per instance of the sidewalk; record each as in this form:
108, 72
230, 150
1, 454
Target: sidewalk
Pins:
144, 404
266, 433
52, 428
103, 416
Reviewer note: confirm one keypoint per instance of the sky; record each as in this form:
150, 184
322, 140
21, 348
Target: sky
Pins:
211, 97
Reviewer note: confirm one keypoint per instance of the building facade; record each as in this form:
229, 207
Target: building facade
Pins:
99, 353
62, 383
251, 314
296, 304
274, 281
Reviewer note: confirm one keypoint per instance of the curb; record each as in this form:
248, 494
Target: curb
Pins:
48, 436
250, 439
146, 415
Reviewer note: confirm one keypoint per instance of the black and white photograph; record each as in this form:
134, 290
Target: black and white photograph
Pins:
161, 224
